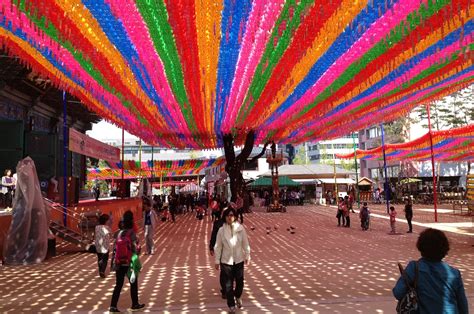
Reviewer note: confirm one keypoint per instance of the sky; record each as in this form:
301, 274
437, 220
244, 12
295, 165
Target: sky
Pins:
104, 130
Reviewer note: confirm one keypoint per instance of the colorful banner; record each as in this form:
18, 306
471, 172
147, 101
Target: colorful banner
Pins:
448, 145
88, 146
184, 73
159, 168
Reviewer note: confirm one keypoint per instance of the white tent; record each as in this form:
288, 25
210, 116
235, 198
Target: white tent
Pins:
190, 188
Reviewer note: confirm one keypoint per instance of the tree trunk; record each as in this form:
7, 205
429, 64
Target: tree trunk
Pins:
234, 165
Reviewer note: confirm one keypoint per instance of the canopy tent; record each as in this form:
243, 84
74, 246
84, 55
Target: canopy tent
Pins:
170, 183
183, 73
448, 145
190, 188
267, 181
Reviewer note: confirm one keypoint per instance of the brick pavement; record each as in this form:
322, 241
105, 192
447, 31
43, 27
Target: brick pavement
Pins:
321, 268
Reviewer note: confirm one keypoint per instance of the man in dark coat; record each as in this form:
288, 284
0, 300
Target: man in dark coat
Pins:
215, 228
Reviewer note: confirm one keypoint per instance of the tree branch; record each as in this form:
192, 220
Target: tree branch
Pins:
229, 148
247, 150
261, 153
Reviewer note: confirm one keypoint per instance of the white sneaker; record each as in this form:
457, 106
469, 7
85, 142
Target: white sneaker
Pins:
232, 310
238, 302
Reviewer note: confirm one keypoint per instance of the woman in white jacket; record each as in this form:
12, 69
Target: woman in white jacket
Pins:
232, 250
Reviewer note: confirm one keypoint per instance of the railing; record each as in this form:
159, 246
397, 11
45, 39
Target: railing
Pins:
73, 221
60, 209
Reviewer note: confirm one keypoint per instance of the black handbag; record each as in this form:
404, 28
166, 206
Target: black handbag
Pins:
409, 303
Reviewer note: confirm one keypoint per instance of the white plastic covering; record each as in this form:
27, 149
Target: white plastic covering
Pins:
145, 188
27, 239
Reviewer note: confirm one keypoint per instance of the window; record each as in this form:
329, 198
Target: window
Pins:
374, 173
374, 132
393, 171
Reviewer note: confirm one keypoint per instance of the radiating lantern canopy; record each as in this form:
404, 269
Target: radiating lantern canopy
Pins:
183, 73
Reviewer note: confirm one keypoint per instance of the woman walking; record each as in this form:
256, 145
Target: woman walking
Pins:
232, 251
103, 235
126, 245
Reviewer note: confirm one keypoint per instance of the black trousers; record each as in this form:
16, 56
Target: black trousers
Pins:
348, 221
8, 199
340, 217
233, 273
240, 213
222, 282
120, 274
102, 259
409, 218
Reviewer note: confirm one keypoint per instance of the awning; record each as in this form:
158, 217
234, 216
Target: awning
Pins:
306, 181
409, 180
338, 181
266, 181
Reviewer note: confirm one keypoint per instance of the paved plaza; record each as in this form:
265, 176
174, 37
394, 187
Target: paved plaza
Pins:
320, 268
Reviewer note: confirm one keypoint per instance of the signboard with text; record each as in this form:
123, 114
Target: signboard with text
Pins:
86, 145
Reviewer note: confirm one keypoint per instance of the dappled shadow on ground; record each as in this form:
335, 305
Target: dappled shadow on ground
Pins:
301, 262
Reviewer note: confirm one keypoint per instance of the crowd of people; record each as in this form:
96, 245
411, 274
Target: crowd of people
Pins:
230, 249
345, 208
229, 245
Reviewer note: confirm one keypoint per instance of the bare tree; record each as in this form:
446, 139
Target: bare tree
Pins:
235, 164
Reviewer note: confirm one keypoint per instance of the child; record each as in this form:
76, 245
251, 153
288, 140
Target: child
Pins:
346, 212
215, 210
102, 242
393, 215
340, 212
364, 216
165, 215
199, 212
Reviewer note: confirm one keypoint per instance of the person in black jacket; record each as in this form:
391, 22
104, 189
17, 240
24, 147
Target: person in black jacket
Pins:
409, 213
215, 228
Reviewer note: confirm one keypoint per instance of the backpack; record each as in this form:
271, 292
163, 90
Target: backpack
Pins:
409, 303
123, 248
